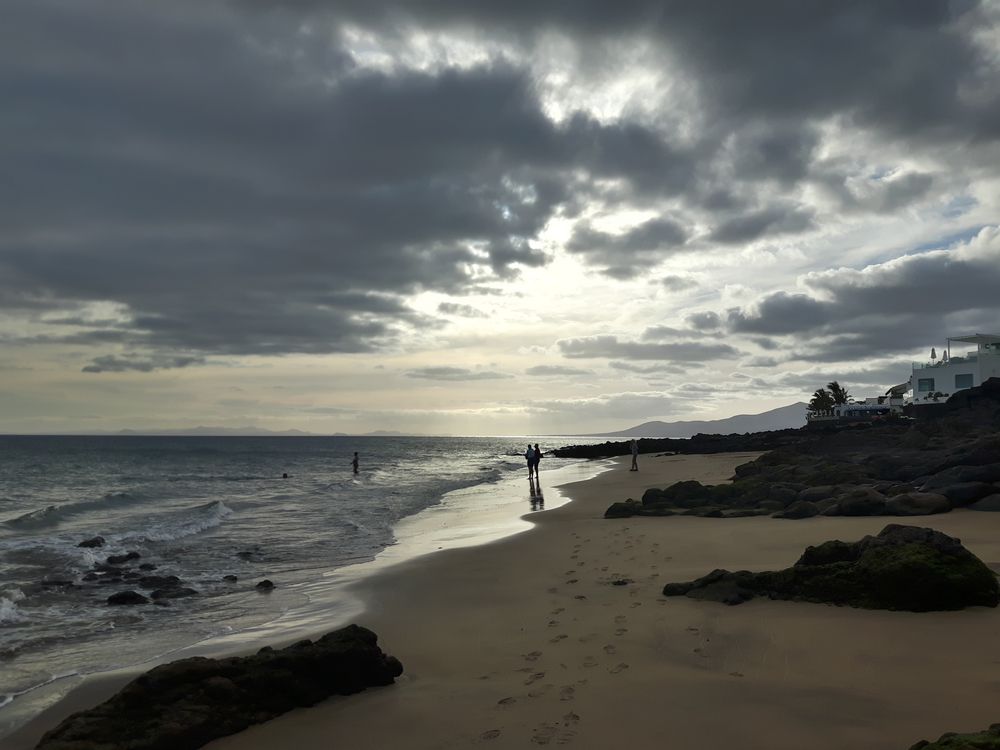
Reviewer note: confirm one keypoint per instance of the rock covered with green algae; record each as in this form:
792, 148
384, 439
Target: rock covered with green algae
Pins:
188, 703
903, 568
987, 740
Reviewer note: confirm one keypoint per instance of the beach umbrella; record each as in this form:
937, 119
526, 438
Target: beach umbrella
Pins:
933, 353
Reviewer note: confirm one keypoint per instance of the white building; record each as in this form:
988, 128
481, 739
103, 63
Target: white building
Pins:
938, 379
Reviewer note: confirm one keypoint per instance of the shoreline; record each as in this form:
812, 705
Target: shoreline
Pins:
466, 517
527, 640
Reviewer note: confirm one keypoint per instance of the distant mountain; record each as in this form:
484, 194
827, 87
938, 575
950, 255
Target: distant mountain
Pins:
220, 432
793, 415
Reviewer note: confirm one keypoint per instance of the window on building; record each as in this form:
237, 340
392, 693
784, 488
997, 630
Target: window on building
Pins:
925, 385
963, 381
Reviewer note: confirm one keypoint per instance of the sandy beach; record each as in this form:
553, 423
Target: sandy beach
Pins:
534, 639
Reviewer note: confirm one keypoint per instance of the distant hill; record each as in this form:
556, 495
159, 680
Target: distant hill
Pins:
219, 432
793, 415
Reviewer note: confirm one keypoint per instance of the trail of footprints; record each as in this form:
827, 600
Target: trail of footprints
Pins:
564, 730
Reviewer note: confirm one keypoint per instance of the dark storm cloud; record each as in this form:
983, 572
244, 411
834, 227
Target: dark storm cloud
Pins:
901, 305
259, 195
454, 374
678, 283
611, 347
768, 221
622, 253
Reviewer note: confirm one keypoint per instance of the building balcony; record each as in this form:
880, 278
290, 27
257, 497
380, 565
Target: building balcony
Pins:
967, 359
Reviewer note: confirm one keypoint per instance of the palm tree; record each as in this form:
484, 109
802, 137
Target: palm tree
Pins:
838, 393
821, 401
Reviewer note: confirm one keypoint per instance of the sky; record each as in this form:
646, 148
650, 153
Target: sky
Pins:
468, 217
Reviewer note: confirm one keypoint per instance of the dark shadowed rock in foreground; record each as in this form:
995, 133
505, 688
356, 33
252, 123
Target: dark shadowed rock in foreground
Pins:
188, 703
987, 740
904, 567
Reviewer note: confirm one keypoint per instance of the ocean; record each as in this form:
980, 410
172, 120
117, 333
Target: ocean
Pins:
203, 508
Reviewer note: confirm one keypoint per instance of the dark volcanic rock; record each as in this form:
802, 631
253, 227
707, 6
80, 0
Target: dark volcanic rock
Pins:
94, 541
861, 501
159, 582
230, 578
623, 510
265, 585
917, 504
127, 597
119, 559
904, 567
989, 503
986, 740
798, 509
964, 493
188, 703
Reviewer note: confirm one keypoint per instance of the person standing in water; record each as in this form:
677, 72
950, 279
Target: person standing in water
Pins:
537, 455
635, 455
529, 456
354, 462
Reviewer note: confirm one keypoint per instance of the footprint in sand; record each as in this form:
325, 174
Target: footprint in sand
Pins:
633, 605
569, 572
533, 656
573, 580
609, 650
604, 569
573, 557
552, 590
579, 596
735, 674
557, 611
534, 678
506, 701
566, 693
553, 623
560, 637
618, 668
561, 732
692, 630
490, 734
539, 692
621, 631
590, 661
620, 619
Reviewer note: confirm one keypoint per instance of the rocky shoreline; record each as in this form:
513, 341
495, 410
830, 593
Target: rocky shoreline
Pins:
187, 703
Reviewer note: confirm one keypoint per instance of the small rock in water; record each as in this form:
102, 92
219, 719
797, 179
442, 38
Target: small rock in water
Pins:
119, 559
147, 566
230, 578
159, 582
91, 576
127, 597
265, 585
94, 541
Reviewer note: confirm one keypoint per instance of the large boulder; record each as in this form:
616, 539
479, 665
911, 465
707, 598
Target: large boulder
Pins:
623, 510
964, 493
798, 509
822, 492
188, 703
127, 598
986, 740
860, 501
904, 568
917, 504
989, 503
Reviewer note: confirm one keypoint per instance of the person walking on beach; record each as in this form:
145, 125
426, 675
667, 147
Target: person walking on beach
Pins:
354, 462
529, 456
635, 455
537, 455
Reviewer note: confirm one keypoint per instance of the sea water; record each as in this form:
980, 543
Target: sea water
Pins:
201, 508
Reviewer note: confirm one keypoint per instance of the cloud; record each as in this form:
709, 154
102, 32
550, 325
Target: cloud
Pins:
133, 363
611, 347
768, 221
678, 283
556, 371
454, 374
658, 369
626, 253
463, 311
704, 321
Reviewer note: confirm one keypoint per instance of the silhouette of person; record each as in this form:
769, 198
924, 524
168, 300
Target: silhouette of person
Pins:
635, 455
529, 456
354, 462
537, 455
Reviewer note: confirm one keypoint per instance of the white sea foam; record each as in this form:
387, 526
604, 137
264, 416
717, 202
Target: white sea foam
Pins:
9, 613
206, 517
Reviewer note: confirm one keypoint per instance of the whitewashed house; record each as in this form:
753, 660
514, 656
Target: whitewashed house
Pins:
937, 379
